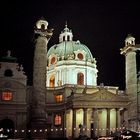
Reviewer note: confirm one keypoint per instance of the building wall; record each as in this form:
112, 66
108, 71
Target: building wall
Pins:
67, 74
13, 107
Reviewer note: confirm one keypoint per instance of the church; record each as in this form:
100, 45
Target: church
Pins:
64, 99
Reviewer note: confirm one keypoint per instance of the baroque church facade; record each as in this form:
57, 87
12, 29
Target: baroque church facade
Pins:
65, 100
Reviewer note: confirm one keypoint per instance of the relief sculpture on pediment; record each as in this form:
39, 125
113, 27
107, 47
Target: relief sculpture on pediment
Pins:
103, 97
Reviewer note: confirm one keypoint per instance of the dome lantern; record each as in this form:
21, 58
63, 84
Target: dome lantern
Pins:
66, 35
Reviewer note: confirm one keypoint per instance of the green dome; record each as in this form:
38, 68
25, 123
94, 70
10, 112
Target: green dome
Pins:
68, 48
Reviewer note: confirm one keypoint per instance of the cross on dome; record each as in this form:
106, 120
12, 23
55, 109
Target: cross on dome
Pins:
66, 29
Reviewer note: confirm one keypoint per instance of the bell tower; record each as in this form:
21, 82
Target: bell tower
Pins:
43, 34
129, 51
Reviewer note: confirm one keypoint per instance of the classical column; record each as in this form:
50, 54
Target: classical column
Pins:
129, 51
85, 120
74, 123
85, 117
108, 122
38, 112
117, 118
122, 121
92, 123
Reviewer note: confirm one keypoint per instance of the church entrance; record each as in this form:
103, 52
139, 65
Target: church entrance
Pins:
7, 128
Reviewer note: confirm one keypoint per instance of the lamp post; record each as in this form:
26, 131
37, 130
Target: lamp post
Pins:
138, 91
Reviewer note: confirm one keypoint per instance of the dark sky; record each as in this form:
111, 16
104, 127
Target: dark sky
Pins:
102, 25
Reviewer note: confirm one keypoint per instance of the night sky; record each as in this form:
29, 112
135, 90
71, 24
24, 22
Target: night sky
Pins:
102, 25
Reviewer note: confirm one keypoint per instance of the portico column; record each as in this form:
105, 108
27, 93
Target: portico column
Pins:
122, 121
74, 123
108, 122
117, 117
92, 123
85, 120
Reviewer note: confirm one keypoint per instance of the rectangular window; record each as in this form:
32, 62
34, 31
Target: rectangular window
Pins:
7, 95
57, 120
59, 98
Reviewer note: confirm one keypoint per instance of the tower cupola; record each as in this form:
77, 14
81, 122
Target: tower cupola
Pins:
42, 24
66, 35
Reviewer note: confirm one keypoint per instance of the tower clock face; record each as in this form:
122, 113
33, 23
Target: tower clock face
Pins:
53, 60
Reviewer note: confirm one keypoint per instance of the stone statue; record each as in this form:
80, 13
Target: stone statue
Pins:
8, 53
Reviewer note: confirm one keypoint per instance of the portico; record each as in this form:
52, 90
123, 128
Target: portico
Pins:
96, 117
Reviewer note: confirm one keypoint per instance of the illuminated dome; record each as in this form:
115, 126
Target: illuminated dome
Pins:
69, 50
70, 56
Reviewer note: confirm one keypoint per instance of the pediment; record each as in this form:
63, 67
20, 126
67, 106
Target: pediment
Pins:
102, 95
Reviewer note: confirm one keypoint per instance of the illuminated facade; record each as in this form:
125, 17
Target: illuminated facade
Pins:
65, 100
70, 62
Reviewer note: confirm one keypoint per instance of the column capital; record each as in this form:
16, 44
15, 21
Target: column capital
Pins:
85, 109
74, 109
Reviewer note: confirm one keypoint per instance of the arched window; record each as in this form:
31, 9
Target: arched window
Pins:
68, 38
80, 78
53, 60
8, 73
52, 81
57, 119
63, 38
80, 56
